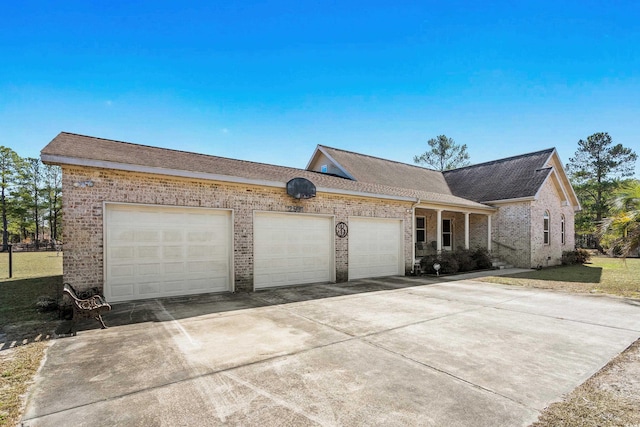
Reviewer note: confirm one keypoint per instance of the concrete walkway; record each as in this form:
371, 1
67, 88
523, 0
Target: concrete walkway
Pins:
395, 351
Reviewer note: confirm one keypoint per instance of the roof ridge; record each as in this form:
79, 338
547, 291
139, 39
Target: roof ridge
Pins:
379, 158
182, 151
492, 162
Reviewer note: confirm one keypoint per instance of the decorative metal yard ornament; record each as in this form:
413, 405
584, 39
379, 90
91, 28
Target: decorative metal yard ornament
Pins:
301, 188
436, 267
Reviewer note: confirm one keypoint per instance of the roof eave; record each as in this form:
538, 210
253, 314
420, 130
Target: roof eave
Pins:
75, 161
565, 178
455, 207
513, 200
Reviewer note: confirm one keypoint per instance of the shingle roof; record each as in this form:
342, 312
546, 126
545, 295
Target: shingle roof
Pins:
69, 148
504, 179
370, 169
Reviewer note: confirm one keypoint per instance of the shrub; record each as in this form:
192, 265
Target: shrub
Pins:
447, 261
465, 260
482, 258
46, 303
578, 256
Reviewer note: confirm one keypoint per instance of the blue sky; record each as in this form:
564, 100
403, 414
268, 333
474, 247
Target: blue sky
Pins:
268, 81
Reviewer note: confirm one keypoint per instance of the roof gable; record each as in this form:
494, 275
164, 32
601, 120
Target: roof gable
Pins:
505, 179
375, 170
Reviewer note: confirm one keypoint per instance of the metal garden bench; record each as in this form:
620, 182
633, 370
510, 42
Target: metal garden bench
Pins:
89, 308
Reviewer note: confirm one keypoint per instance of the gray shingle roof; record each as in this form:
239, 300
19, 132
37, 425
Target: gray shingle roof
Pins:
370, 169
69, 148
504, 179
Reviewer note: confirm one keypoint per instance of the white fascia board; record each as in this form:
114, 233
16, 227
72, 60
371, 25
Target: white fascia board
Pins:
514, 200
452, 207
564, 179
313, 157
363, 194
553, 175
63, 160
338, 165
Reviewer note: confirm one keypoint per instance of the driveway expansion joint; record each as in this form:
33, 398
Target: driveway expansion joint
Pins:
426, 365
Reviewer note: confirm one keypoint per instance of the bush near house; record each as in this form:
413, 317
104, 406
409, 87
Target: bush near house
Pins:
460, 260
578, 256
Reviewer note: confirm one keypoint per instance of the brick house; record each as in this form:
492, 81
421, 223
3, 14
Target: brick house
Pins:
146, 222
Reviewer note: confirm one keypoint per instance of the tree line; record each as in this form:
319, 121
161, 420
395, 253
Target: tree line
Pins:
30, 200
602, 175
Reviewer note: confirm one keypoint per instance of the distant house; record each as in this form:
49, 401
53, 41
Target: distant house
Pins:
146, 222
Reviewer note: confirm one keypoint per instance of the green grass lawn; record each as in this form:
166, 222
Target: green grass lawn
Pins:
31, 264
35, 275
613, 276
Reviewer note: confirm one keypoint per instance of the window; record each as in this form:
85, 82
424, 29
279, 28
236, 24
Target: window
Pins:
545, 227
562, 229
421, 229
447, 234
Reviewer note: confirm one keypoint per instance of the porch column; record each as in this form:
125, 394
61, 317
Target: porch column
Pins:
466, 230
489, 233
439, 230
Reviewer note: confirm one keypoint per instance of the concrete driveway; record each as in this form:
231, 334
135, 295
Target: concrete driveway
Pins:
396, 351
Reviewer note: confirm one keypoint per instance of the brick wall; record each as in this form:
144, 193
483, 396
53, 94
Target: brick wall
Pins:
477, 231
83, 216
511, 227
550, 254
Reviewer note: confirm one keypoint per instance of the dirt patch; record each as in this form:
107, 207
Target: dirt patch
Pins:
609, 398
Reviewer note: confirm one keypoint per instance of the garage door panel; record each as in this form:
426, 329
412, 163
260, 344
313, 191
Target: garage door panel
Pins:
375, 247
292, 249
172, 252
159, 251
173, 268
121, 290
122, 271
149, 270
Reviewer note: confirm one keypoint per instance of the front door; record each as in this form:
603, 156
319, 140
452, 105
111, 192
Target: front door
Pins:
447, 235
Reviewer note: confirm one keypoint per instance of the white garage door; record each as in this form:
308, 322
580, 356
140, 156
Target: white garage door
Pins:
154, 251
292, 249
375, 248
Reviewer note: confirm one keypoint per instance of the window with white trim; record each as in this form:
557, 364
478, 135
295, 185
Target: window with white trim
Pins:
545, 227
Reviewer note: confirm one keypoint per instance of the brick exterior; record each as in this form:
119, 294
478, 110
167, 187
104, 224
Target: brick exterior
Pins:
518, 230
478, 236
516, 227
511, 227
83, 216
550, 254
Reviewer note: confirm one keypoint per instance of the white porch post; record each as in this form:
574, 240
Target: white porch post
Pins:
439, 230
489, 232
466, 230
413, 231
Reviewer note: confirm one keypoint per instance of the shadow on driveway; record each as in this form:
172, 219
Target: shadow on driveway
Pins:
183, 307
